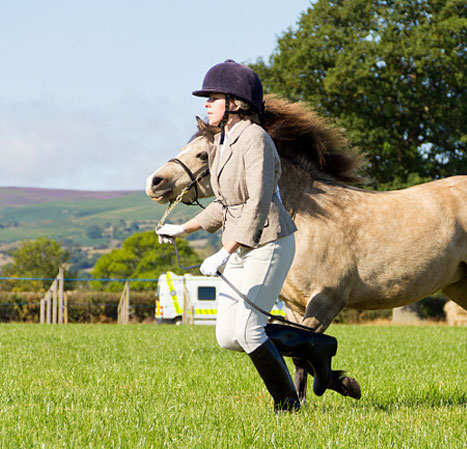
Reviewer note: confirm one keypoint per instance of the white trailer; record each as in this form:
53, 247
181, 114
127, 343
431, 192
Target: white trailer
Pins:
191, 299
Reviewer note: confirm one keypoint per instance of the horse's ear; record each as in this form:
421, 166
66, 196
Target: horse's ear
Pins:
201, 124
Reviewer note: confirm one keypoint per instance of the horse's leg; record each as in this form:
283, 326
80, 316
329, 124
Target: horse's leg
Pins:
301, 380
458, 292
320, 312
301, 374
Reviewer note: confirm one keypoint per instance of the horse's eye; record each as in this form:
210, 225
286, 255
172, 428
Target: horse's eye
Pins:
203, 156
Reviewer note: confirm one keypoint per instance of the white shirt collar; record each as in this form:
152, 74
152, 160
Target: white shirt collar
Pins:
226, 138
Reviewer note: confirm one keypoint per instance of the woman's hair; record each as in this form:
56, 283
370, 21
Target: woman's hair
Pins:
246, 110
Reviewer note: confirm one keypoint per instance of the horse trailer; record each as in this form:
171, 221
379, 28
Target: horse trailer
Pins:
190, 299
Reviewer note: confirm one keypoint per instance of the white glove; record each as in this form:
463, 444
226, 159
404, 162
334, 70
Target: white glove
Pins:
168, 232
211, 265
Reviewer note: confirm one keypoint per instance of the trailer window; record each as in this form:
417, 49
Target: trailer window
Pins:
207, 293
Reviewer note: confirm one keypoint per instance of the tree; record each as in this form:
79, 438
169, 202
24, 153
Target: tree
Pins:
39, 258
141, 257
94, 232
391, 72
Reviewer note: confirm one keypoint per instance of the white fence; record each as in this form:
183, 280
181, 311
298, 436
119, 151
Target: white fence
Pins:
124, 305
53, 309
54, 306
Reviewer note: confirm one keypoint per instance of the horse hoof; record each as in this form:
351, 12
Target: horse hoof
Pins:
352, 387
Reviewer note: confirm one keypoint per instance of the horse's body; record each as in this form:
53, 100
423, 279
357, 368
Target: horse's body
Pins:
355, 248
374, 250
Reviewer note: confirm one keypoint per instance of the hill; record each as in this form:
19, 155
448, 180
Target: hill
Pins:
84, 218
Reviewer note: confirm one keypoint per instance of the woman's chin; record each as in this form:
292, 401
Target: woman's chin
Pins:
213, 122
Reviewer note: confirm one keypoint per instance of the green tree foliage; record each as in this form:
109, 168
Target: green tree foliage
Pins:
141, 257
393, 75
38, 258
94, 232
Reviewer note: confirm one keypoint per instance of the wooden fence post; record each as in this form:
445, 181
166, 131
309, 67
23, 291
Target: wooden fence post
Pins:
42, 312
65, 308
124, 305
54, 302
49, 306
61, 281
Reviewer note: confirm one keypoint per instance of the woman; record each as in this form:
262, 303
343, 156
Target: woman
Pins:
257, 236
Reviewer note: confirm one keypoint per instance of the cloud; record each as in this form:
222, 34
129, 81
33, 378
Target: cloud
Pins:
46, 144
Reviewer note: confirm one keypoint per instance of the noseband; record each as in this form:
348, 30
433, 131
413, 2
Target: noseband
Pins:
193, 183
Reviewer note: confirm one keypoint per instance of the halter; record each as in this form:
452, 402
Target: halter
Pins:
193, 183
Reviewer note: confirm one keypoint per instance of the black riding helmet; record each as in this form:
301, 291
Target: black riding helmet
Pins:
233, 79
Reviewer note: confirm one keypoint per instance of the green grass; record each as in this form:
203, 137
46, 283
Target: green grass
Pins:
105, 386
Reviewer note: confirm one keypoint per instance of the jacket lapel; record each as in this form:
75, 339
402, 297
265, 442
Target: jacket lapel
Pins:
226, 155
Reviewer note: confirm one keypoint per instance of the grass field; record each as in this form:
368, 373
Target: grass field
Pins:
107, 386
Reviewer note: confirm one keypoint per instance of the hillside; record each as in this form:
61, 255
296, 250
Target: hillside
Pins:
84, 218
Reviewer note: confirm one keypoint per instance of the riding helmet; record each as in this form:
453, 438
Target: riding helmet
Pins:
231, 78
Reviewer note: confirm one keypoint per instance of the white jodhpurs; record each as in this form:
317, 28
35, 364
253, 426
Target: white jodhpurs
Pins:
259, 274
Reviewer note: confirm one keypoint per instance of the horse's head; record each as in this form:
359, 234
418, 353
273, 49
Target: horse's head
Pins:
169, 180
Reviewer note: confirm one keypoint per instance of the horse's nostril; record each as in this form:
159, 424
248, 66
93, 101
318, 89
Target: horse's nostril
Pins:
156, 180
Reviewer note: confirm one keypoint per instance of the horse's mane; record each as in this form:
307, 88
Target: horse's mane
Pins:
306, 140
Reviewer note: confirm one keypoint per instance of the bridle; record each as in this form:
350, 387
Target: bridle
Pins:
193, 183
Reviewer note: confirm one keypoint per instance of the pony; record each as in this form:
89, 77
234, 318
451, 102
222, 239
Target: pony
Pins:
355, 248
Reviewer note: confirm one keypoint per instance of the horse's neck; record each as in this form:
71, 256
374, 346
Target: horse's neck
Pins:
295, 184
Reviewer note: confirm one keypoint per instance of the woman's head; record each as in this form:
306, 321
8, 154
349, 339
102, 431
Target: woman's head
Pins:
238, 109
236, 80
237, 84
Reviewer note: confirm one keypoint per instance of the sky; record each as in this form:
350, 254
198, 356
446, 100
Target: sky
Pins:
96, 94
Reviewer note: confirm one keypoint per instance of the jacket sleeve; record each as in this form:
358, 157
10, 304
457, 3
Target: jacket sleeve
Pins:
259, 164
210, 218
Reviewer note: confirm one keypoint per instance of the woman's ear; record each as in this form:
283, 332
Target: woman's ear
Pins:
233, 105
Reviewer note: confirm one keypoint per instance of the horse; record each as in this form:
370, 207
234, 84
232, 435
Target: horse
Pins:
356, 248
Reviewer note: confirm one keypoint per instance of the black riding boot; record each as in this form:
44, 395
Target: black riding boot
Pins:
273, 370
314, 349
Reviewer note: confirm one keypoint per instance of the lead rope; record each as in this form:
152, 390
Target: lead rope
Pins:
239, 293
235, 289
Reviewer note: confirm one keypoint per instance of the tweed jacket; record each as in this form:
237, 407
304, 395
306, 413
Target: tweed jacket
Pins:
244, 181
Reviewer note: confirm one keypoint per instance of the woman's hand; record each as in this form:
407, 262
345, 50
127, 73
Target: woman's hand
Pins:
211, 265
169, 232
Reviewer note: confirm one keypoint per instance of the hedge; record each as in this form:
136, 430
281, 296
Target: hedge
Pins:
83, 306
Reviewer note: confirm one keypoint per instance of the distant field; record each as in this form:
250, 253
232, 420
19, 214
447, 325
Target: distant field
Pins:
29, 213
147, 386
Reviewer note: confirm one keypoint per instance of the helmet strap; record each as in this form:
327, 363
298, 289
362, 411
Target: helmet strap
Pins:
225, 118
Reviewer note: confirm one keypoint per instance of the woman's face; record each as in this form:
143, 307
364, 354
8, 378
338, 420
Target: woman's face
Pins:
215, 107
